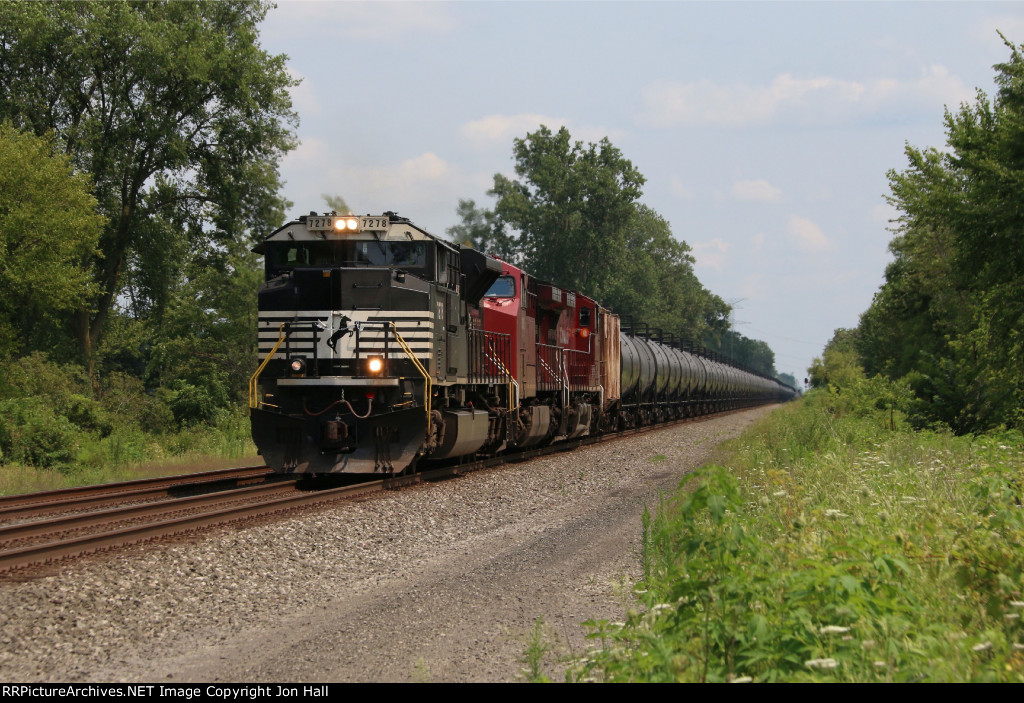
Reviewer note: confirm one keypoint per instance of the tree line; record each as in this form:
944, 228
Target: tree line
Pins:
947, 325
573, 216
139, 153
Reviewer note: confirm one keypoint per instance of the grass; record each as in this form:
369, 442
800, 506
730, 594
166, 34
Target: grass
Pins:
830, 548
128, 454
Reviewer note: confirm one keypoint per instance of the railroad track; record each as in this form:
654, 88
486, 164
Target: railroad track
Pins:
85, 497
158, 509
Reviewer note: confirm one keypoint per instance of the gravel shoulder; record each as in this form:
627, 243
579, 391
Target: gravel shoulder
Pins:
442, 582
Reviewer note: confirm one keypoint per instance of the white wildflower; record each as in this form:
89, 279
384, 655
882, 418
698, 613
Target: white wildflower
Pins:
834, 629
779, 494
661, 606
829, 663
1012, 616
981, 647
867, 644
880, 664
1018, 646
1017, 603
743, 679
832, 512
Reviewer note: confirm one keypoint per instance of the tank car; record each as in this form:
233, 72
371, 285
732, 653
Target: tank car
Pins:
382, 345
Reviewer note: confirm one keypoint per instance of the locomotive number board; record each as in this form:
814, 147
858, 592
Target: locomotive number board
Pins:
343, 223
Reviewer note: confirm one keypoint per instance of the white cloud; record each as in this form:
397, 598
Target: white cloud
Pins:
790, 99
503, 128
756, 242
806, 235
679, 190
711, 253
759, 191
420, 171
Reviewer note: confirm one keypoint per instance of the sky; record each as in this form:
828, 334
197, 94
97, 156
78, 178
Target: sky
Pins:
765, 130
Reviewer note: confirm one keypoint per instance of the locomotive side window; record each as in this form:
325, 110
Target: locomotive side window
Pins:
410, 254
584, 316
404, 254
504, 287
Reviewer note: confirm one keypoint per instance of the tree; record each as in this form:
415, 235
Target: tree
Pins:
580, 225
652, 280
48, 227
482, 230
178, 114
949, 315
570, 207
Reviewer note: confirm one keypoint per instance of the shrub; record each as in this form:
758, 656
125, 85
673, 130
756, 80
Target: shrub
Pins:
32, 433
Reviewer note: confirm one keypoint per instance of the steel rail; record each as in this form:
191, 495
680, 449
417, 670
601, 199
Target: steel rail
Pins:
135, 534
24, 530
87, 496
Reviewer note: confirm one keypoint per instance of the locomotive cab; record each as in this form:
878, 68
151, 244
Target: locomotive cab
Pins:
362, 334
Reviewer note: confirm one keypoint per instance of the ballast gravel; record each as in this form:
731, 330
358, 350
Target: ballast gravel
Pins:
450, 581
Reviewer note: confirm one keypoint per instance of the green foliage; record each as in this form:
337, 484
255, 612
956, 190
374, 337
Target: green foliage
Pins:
752, 353
576, 222
170, 120
538, 644
176, 112
482, 230
949, 315
571, 207
832, 550
32, 433
48, 227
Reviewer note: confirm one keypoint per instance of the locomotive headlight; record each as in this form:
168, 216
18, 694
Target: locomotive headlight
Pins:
375, 364
298, 367
350, 224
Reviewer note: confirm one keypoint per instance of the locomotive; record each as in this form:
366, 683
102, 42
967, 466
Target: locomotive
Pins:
382, 345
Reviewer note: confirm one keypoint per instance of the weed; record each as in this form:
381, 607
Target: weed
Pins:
420, 671
538, 644
827, 547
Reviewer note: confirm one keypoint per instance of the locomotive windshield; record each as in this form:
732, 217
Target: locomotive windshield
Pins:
351, 253
504, 287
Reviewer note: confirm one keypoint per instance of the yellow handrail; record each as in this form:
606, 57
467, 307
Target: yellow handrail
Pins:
254, 401
419, 367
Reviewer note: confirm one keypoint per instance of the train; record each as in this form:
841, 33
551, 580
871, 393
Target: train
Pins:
382, 346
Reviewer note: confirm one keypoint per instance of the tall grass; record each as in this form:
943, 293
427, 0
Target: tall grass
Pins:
129, 452
827, 546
